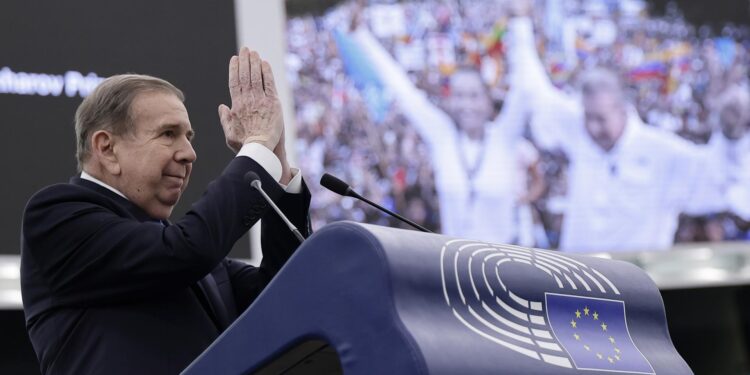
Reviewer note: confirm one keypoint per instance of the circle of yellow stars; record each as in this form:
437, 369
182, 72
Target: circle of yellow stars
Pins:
614, 355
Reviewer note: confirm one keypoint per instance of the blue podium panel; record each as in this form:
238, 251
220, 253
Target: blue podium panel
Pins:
392, 301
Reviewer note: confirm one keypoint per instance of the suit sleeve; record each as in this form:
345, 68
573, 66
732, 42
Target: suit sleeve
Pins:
278, 244
85, 253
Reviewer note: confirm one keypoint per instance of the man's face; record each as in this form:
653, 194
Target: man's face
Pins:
156, 159
468, 103
734, 118
605, 119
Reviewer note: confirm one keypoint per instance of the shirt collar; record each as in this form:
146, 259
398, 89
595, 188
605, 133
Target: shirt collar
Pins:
86, 176
629, 134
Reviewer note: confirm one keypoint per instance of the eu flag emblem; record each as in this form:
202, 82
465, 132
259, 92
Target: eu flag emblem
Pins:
595, 334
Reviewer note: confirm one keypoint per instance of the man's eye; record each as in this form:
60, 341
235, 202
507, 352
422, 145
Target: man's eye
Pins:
169, 134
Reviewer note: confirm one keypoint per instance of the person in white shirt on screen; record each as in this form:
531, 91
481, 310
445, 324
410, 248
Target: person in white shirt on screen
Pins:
628, 182
481, 165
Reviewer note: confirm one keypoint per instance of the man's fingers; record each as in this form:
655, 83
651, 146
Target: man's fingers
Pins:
225, 118
225, 115
256, 79
269, 85
234, 79
244, 69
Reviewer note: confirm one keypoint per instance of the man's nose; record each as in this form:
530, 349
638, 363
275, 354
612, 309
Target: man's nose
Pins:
465, 102
595, 128
186, 153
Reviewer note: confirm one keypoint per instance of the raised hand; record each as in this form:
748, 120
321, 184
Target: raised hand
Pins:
256, 114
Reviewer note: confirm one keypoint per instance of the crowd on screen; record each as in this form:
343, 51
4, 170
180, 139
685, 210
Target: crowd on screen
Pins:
679, 78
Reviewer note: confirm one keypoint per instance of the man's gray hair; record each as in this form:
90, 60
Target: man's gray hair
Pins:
734, 95
600, 80
108, 108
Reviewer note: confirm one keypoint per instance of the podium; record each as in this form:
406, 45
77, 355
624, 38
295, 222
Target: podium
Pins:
364, 299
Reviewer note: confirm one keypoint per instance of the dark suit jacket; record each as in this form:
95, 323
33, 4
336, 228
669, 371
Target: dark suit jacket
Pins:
108, 290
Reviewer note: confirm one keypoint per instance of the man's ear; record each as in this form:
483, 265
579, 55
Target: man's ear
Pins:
102, 149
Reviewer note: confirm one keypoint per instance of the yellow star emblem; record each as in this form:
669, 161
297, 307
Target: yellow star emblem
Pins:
586, 311
617, 356
587, 347
573, 323
610, 360
596, 315
604, 326
617, 350
578, 314
576, 336
611, 339
598, 355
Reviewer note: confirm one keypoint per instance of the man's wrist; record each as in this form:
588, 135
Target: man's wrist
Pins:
280, 152
277, 167
263, 156
286, 173
262, 140
295, 185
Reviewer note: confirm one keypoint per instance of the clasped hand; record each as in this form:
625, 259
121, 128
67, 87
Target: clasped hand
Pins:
256, 114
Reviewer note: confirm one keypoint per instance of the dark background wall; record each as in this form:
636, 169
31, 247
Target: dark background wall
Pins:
715, 13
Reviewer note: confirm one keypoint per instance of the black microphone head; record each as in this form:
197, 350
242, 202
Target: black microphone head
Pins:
251, 177
335, 185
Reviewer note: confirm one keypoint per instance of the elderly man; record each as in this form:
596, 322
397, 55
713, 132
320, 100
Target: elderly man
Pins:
628, 182
109, 285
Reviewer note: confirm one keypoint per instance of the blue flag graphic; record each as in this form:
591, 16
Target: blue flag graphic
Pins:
361, 71
595, 334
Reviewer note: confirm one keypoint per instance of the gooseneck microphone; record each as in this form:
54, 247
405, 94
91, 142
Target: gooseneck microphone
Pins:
339, 187
255, 183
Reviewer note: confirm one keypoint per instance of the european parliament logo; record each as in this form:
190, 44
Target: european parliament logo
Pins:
595, 334
555, 327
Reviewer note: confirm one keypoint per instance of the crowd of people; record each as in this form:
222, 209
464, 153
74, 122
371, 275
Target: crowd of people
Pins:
386, 162
685, 79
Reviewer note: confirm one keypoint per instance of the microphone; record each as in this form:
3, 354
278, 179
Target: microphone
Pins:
255, 183
339, 187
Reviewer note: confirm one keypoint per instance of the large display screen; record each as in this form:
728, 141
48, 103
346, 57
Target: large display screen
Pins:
580, 125
54, 53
